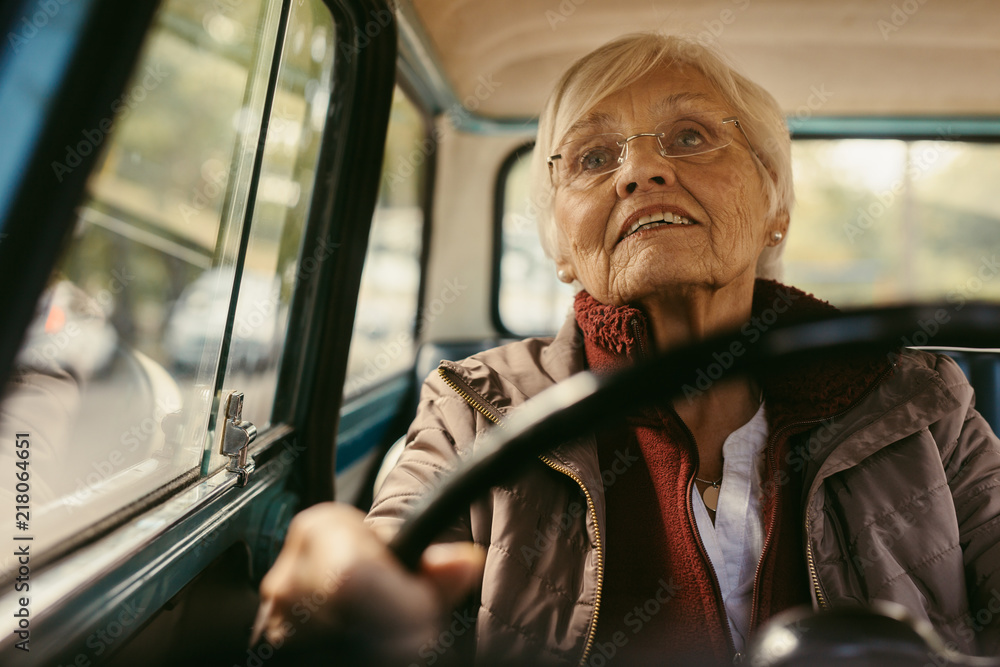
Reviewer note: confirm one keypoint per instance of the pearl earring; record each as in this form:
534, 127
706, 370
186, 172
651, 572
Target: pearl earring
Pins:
777, 236
563, 276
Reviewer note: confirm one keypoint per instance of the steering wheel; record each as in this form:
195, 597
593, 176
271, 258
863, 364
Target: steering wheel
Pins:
584, 402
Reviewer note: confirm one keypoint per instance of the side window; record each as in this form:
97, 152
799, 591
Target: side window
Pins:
273, 264
876, 221
116, 379
531, 298
882, 221
384, 325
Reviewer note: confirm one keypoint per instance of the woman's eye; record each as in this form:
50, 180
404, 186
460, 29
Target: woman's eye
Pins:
688, 139
595, 158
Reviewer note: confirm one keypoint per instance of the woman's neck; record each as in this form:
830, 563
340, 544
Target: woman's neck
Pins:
697, 312
692, 314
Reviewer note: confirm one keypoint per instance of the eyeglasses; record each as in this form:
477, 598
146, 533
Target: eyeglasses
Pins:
579, 163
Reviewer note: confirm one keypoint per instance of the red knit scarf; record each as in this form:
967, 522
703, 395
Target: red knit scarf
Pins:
661, 602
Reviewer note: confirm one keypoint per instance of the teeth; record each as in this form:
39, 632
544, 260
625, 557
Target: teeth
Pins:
655, 220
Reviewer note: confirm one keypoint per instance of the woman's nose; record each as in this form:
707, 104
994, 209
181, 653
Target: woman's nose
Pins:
644, 168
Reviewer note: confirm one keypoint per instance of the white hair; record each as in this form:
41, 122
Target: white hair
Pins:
623, 61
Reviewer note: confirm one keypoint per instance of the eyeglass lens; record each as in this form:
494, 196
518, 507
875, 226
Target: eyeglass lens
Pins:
599, 154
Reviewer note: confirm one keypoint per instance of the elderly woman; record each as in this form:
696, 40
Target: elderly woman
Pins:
682, 528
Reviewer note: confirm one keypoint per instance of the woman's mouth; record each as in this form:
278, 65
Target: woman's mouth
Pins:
655, 219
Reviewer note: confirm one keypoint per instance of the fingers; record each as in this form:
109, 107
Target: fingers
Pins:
454, 569
335, 580
323, 545
261, 621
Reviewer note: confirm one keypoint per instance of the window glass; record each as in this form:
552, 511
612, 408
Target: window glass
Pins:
880, 221
284, 192
532, 299
875, 222
383, 340
113, 384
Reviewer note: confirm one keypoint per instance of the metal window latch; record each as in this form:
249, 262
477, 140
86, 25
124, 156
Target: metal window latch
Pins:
236, 438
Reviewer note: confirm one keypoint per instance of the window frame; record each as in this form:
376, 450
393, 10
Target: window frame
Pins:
350, 403
149, 562
372, 419
499, 202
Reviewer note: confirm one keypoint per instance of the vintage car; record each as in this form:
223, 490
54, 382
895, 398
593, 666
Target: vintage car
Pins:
235, 236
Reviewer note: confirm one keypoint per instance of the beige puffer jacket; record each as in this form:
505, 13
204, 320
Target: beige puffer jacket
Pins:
901, 504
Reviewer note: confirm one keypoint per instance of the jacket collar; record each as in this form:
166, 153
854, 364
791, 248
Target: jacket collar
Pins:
818, 393
815, 389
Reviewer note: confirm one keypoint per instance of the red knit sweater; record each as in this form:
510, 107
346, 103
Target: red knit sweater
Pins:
661, 602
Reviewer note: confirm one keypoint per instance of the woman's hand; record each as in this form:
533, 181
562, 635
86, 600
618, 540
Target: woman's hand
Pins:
336, 586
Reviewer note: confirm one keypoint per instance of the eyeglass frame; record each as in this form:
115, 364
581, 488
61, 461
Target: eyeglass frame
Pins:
624, 154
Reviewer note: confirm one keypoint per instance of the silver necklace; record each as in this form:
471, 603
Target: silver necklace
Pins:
711, 493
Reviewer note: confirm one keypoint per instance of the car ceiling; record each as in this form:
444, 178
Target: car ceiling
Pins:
818, 57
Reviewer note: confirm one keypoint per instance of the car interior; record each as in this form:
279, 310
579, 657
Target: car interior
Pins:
236, 236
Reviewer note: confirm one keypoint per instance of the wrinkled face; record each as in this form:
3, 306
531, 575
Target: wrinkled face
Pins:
715, 201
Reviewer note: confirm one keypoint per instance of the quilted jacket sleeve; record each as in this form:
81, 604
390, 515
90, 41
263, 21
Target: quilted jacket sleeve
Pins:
972, 464
441, 433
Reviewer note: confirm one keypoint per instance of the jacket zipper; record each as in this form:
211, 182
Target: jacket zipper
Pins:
466, 392
597, 545
484, 407
737, 656
810, 560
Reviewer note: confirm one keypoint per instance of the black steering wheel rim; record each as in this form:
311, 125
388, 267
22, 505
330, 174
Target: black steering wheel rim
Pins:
581, 403
584, 401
